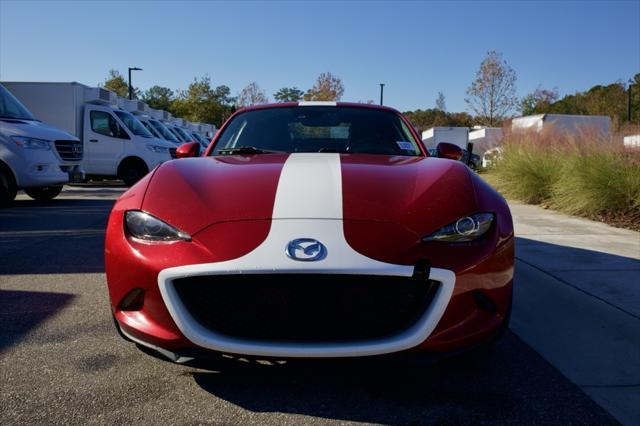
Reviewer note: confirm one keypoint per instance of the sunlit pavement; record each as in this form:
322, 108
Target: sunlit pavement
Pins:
578, 303
61, 360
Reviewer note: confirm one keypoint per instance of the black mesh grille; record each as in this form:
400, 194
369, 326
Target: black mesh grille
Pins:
172, 152
69, 150
305, 308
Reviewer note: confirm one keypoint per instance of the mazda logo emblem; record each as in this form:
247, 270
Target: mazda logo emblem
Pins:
306, 250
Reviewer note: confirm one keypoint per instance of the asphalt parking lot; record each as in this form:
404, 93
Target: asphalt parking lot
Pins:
61, 360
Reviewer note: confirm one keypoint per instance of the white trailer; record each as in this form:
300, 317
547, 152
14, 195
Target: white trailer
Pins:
115, 143
632, 141
563, 123
484, 139
454, 135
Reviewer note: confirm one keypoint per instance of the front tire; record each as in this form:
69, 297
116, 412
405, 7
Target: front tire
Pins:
44, 193
8, 189
132, 171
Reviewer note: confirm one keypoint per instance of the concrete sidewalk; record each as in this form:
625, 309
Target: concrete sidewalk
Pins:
577, 302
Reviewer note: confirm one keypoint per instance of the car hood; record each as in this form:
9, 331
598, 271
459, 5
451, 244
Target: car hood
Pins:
419, 194
33, 129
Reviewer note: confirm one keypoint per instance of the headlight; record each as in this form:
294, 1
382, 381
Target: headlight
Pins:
158, 149
466, 229
32, 143
146, 227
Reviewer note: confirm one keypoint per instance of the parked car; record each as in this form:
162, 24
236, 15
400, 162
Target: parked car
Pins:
116, 144
34, 156
475, 163
475, 159
311, 230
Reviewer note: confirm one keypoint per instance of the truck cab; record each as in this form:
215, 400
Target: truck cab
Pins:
34, 156
120, 146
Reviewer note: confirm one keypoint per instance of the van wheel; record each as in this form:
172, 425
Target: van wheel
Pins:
44, 193
131, 171
8, 189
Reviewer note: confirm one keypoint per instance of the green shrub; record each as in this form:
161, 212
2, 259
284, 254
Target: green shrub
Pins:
582, 174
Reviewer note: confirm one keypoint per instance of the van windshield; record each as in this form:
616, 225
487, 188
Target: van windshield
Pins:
10, 106
162, 129
133, 124
177, 134
151, 129
185, 135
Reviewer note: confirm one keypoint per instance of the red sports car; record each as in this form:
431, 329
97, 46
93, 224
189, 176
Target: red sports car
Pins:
311, 229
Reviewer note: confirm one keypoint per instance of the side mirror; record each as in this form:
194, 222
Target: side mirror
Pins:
191, 149
450, 151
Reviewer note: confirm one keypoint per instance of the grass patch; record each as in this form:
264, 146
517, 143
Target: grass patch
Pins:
582, 175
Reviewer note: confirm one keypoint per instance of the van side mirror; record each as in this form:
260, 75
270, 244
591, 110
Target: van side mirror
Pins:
191, 149
450, 151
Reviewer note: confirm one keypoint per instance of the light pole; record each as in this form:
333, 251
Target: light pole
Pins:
629, 101
381, 92
130, 86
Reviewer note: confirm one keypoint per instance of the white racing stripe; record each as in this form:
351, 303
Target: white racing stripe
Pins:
316, 103
308, 204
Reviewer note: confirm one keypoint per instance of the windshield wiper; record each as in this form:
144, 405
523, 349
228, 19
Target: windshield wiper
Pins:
244, 150
12, 117
334, 150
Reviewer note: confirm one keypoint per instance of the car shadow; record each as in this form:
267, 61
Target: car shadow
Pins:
58, 236
507, 383
21, 311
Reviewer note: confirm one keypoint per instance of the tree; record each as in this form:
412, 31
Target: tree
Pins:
158, 97
288, 94
201, 103
492, 95
116, 83
425, 119
252, 94
327, 88
538, 101
440, 105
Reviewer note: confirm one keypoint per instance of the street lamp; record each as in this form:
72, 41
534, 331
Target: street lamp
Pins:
381, 92
631, 83
130, 86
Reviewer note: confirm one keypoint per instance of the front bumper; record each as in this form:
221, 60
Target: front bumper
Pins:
453, 321
212, 339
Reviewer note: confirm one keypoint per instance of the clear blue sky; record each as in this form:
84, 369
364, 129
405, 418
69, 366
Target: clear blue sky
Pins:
416, 48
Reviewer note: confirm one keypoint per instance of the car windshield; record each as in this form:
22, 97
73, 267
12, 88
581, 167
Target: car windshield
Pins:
133, 124
162, 129
10, 106
318, 129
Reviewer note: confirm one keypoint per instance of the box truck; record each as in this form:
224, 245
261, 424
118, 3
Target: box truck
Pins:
34, 156
564, 123
454, 135
116, 144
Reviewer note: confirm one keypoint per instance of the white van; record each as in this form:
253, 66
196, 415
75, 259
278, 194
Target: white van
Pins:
116, 144
33, 155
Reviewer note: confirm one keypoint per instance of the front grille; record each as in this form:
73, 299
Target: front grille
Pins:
172, 152
305, 307
69, 150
